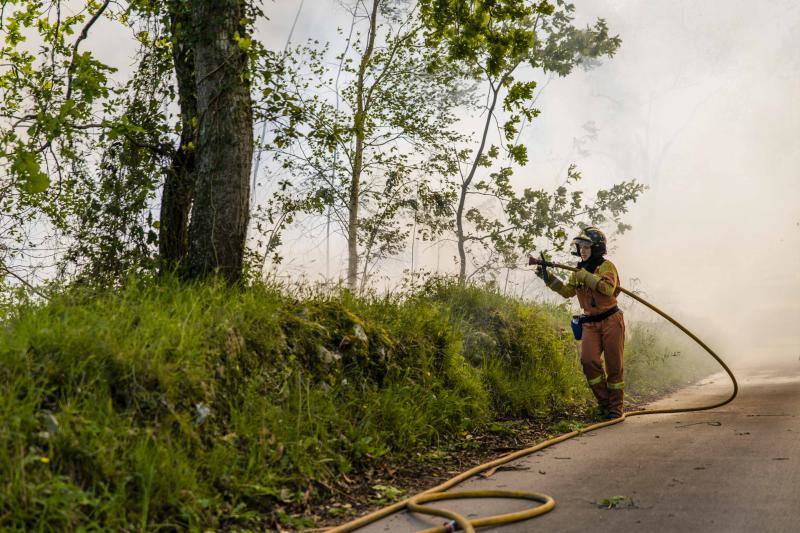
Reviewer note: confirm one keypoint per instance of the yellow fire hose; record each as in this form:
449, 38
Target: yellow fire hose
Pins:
416, 503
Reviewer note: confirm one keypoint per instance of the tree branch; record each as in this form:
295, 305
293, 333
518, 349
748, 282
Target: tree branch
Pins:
33, 289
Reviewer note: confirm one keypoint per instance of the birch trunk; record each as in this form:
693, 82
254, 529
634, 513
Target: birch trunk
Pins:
358, 155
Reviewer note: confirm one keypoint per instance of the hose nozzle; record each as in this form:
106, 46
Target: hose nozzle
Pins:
543, 264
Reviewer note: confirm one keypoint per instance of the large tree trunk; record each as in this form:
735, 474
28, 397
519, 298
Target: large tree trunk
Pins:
224, 152
176, 198
358, 156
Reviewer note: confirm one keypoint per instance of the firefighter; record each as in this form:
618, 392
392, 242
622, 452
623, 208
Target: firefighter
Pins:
596, 284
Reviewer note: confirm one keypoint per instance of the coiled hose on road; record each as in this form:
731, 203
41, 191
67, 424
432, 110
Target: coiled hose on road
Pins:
436, 494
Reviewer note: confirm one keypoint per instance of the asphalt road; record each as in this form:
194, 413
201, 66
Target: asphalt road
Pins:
736, 468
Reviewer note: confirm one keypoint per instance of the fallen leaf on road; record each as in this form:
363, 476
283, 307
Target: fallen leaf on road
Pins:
616, 502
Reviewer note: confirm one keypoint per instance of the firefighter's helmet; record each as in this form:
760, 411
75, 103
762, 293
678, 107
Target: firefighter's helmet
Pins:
593, 237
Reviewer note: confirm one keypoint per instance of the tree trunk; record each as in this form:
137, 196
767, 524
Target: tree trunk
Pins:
358, 156
224, 151
462, 198
179, 182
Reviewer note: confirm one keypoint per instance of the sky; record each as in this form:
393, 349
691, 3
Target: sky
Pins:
701, 104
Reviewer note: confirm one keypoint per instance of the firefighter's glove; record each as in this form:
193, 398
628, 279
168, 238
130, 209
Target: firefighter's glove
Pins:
554, 282
587, 279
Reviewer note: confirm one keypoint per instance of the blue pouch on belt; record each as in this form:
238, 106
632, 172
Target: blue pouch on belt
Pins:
577, 327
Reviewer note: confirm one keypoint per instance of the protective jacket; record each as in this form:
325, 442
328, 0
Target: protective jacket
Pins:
596, 292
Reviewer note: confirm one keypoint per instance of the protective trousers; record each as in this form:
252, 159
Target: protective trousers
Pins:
607, 339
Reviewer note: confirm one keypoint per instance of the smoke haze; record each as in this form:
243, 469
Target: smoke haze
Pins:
700, 104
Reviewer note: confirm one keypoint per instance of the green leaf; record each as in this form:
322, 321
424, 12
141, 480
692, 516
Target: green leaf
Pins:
26, 168
244, 44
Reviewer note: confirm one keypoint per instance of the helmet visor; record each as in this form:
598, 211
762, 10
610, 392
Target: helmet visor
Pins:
582, 241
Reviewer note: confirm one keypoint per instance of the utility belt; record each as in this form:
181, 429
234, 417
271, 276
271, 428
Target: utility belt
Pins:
579, 320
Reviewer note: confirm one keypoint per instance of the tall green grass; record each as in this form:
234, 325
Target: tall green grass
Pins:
162, 405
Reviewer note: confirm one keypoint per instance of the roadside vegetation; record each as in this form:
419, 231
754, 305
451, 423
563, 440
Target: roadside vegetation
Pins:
659, 358
167, 405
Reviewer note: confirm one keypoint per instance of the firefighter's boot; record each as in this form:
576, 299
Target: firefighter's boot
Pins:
615, 399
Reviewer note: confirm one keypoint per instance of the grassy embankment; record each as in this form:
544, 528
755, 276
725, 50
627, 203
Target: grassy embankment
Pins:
161, 405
